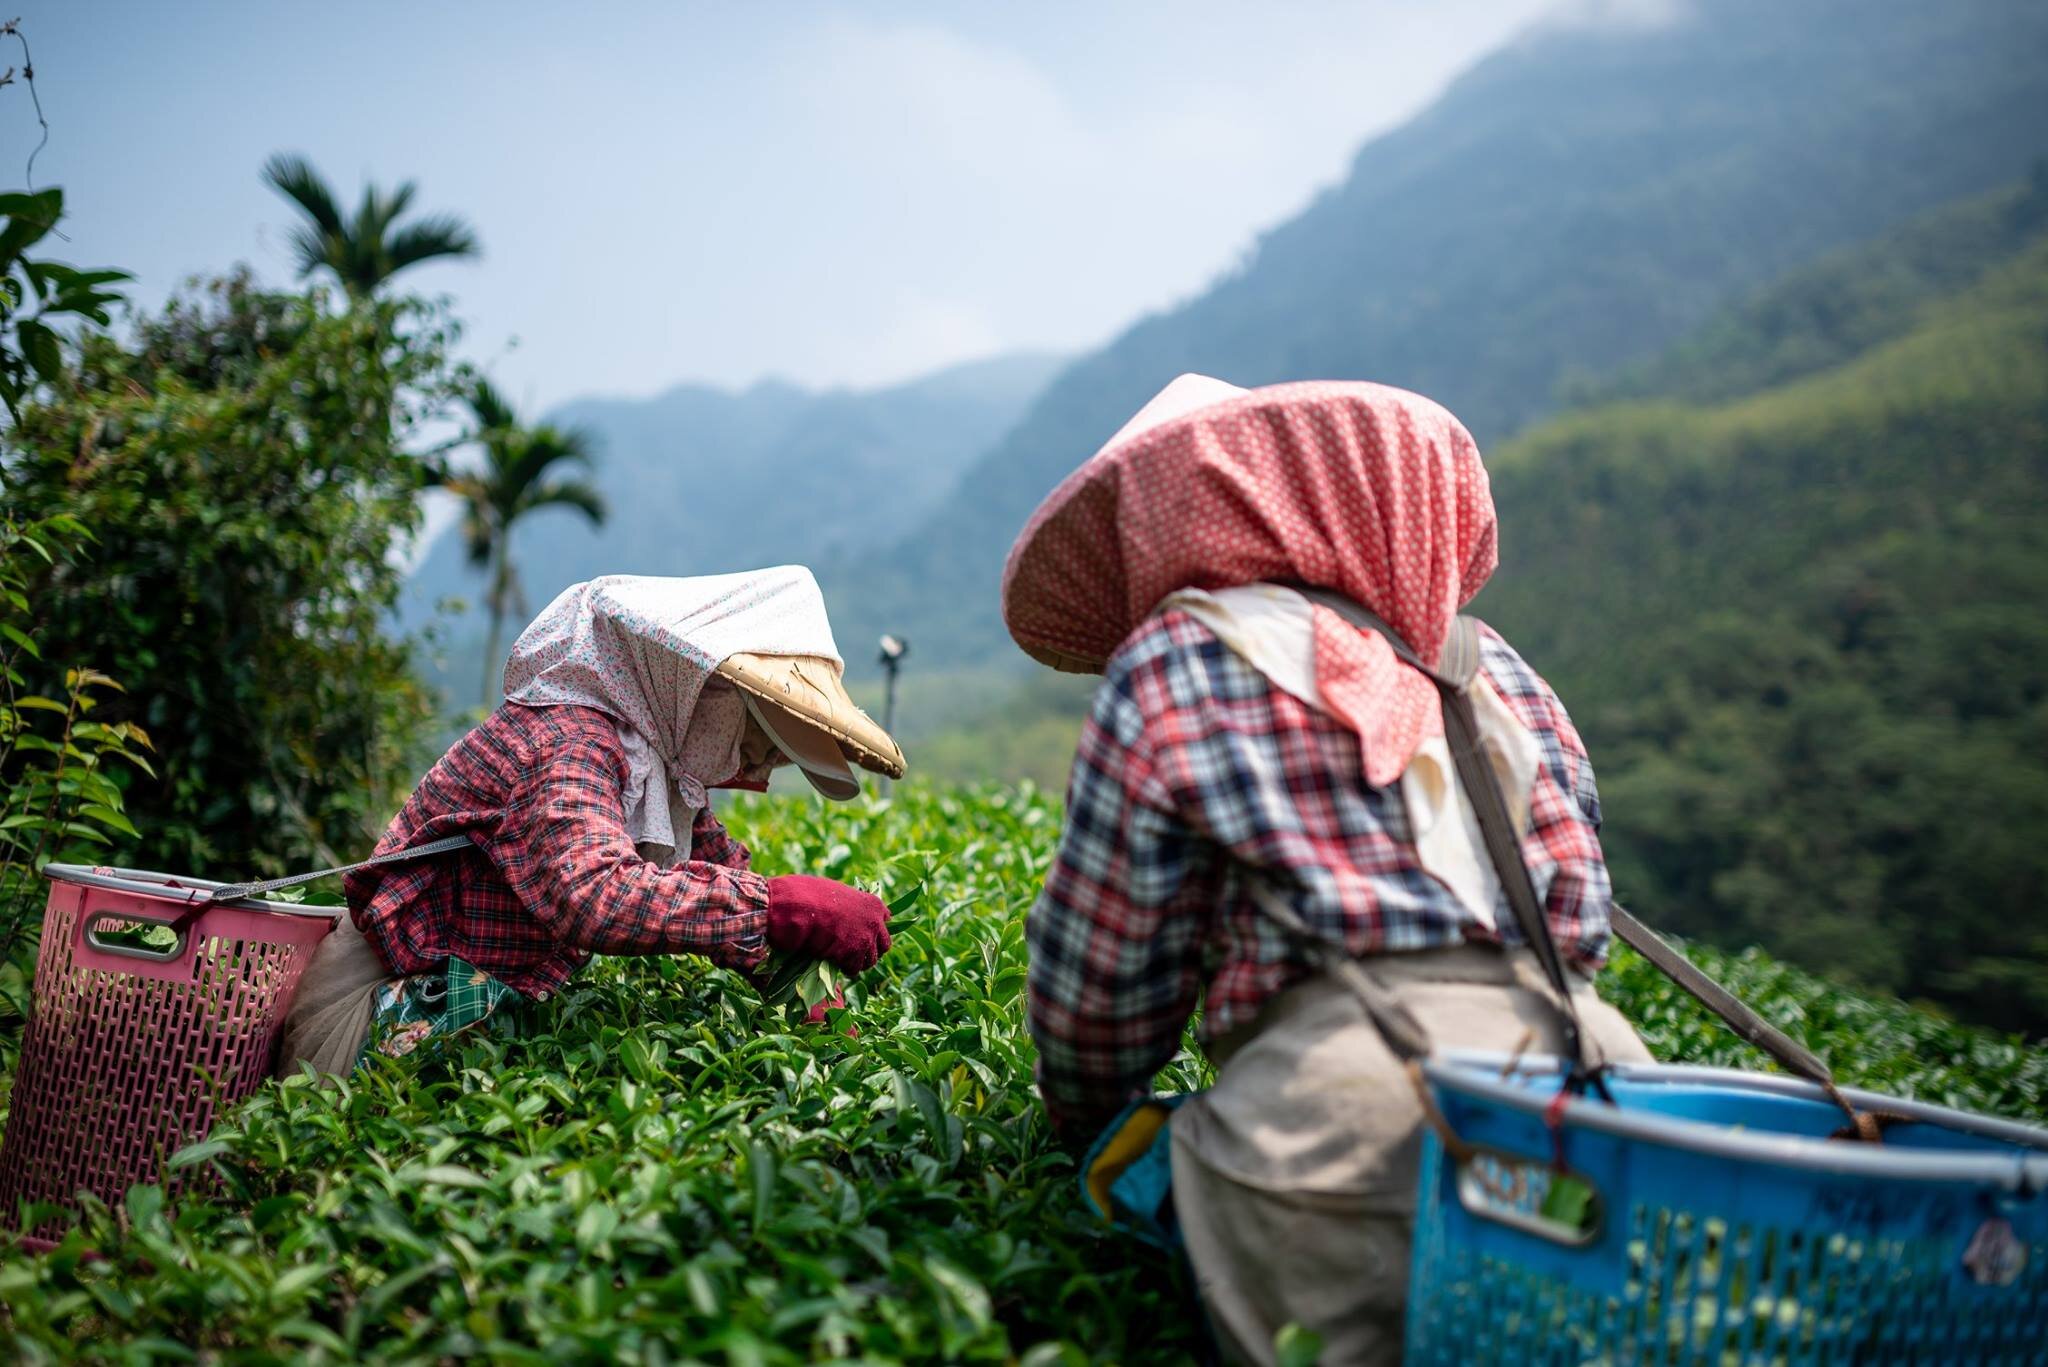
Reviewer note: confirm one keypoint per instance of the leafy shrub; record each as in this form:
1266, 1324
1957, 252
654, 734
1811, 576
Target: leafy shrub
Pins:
666, 1170
56, 799
242, 459
36, 294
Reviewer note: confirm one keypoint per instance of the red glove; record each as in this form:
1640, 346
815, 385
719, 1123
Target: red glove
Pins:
835, 1002
844, 926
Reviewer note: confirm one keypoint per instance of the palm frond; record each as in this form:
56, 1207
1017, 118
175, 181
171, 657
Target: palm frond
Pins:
372, 226
363, 250
427, 238
545, 447
314, 249
565, 493
366, 211
396, 203
293, 177
361, 267
490, 407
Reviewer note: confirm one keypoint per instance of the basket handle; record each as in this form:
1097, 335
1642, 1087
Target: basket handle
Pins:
173, 963
1498, 1184
1534, 1195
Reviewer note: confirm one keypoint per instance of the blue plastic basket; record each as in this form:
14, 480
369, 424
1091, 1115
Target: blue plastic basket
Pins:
1706, 1217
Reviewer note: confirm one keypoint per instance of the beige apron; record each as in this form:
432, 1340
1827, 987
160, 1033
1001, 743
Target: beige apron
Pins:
1294, 1176
330, 1015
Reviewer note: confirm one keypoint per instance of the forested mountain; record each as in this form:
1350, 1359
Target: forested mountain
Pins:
702, 480
1804, 628
1576, 202
1842, 304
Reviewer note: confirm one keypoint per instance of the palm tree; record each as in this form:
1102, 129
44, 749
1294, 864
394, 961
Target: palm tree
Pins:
513, 480
363, 250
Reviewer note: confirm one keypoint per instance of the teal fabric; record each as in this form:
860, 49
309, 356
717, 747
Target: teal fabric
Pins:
1142, 1195
408, 1012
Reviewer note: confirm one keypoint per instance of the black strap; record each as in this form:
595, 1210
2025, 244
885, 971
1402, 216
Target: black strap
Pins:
235, 892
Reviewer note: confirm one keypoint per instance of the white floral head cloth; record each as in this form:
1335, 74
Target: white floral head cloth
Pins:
640, 650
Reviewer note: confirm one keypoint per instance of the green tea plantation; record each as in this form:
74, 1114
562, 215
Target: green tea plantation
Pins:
666, 1170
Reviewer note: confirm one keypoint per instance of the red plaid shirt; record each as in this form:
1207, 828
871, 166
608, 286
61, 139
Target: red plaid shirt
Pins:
554, 877
1194, 773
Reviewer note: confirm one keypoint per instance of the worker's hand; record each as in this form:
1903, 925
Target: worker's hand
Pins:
844, 926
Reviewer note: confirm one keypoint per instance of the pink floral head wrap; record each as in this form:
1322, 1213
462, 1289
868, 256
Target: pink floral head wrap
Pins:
1373, 492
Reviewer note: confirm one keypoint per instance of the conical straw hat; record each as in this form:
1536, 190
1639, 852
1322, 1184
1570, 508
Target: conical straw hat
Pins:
808, 688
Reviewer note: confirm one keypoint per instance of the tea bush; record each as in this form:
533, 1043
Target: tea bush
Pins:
665, 1170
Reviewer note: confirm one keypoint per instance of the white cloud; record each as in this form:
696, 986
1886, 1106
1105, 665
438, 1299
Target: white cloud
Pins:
1011, 203
834, 193
1635, 15
920, 335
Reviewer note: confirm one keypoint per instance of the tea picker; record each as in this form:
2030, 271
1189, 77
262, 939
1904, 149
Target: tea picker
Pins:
574, 821
1365, 832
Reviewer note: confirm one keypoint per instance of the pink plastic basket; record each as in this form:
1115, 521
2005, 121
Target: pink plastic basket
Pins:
131, 1050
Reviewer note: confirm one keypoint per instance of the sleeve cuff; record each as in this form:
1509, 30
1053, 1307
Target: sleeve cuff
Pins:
746, 948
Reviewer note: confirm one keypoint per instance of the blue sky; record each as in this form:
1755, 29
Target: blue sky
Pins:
832, 194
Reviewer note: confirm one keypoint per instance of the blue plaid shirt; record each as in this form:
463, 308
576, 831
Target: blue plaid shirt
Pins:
1194, 773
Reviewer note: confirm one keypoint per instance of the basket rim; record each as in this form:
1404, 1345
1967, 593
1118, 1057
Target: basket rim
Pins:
1484, 1075
190, 890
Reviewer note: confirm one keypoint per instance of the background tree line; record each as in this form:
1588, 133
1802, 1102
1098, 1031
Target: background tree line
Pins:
205, 514
1795, 589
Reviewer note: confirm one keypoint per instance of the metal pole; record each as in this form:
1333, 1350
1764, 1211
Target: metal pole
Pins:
894, 648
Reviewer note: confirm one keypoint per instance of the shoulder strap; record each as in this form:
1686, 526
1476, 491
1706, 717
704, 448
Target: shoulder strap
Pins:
235, 892
1735, 1013
1404, 1035
1453, 675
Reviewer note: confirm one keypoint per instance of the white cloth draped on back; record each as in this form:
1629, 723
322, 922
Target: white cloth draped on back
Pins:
641, 650
1273, 628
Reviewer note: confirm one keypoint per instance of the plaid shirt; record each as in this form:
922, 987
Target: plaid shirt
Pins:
1195, 773
554, 877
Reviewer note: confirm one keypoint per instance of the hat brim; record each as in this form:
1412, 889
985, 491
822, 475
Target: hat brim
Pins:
1185, 399
809, 748
809, 689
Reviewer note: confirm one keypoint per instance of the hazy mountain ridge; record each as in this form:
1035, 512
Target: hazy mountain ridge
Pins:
703, 480
1580, 199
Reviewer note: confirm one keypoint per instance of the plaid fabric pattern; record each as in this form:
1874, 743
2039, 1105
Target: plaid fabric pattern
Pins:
1194, 774
554, 877
408, 1012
